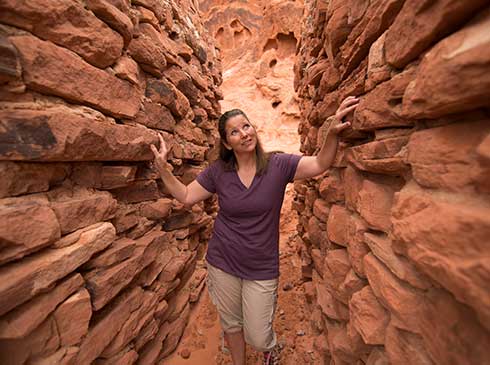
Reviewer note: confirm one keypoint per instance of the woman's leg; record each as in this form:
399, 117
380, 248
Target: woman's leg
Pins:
225, 291
259, 305
236, 344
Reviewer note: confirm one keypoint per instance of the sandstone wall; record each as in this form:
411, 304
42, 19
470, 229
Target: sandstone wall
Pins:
257, 42
97, 263
396, 235
251, 28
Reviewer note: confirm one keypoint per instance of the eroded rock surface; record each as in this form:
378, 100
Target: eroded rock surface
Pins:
94, 253
404, 254
257, 43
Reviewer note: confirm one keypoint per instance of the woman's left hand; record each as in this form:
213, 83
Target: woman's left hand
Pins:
348, 105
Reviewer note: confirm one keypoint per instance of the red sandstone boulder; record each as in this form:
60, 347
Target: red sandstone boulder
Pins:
25, 318
419, 25
138, 191
114, 17
104, 283
330, 306
80, 208
403, 301
72, 318
321, 210
378, 70
435, 91
164, 92
440, 314
337, 225
427, 226
368, 316
377, 357
331, 188
176, 330
132, 326
50, 69
20, 281
356, 247
376, 200
382, 157
10, 69
377, 18
449, 161
380, 246
127, 69
62, 134
26, 226
404, 347
353, 181
67, 24
23, 178
103, 331
118, 251
382, 107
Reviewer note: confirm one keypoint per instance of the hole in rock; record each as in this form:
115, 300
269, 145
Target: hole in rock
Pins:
395, 101
272, 63
271, 44
220, 32
287, 43
241, 36
220, 36
275, 104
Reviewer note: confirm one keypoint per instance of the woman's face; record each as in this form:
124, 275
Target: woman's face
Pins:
241, 136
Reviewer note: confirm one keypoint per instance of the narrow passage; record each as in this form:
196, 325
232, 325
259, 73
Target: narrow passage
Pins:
200, 343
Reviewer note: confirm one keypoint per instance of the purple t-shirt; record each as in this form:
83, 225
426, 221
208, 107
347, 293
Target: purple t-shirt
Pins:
245, 241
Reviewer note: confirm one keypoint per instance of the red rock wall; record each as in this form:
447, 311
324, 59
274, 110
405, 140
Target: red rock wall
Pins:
251, 28
257, 43
97, 263
395, 236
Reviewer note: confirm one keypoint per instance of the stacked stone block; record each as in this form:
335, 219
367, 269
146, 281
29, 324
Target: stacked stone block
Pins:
98, 264
395, 236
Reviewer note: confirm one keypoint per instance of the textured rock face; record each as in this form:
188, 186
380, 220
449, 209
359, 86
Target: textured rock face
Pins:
257, 43
401, 267
96, 259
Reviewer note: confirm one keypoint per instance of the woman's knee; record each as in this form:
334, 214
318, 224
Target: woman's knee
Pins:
263, 340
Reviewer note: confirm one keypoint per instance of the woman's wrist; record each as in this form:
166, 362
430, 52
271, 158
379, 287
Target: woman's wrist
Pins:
163, 166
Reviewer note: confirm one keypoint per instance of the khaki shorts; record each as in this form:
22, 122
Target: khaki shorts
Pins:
247, 305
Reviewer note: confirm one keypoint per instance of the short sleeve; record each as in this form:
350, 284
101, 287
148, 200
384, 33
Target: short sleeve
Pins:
288, 164
207, 178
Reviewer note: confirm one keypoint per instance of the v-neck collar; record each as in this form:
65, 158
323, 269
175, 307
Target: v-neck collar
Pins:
241, 182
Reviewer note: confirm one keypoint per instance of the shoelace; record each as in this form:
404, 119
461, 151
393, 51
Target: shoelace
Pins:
270, 358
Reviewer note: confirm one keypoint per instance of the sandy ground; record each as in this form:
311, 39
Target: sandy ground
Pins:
202, 336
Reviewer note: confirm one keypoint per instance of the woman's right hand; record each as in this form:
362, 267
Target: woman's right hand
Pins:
160, 155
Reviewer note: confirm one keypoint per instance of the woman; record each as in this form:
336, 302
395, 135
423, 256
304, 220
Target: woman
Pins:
243, 253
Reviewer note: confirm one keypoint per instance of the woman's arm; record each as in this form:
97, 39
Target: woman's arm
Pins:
188, 195
310, 166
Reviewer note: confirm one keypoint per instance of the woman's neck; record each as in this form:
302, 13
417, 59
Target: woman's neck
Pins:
246, 161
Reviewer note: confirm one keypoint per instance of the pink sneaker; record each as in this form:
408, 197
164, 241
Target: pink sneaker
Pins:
271, 357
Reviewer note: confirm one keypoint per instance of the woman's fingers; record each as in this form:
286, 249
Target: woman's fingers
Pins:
340, 127
348, 101
346, 111
163, 145
154, 150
